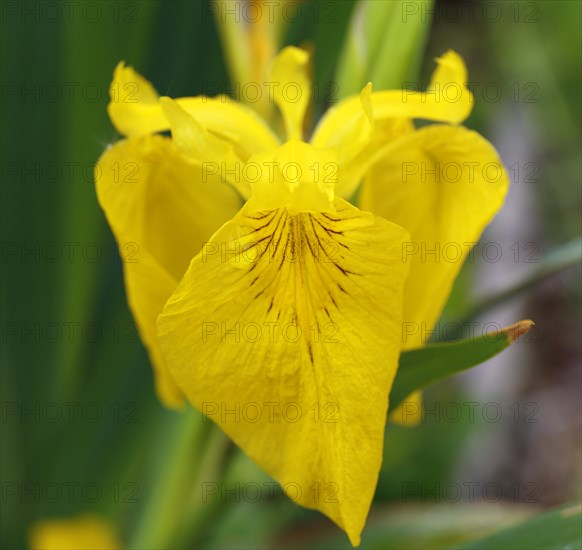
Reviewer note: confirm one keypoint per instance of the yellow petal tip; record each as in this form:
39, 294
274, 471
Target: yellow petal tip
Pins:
290, 72
455, 63
300, 56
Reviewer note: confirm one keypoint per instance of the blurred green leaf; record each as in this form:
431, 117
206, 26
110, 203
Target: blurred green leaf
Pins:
83, 125
411, 527
566, 256
384, 45
419, 368
559, 529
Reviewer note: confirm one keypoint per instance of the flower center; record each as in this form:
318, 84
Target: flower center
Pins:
296, 176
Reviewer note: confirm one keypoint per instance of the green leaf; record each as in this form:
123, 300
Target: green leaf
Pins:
565, 256
384, 45
414, 526
559, 529
421, 367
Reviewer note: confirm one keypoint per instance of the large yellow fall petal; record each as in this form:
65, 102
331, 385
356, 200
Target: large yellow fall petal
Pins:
443, 184
134, 110
161, 209
286, 332
85, 532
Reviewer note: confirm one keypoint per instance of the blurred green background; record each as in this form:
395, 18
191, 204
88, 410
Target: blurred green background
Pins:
81, 427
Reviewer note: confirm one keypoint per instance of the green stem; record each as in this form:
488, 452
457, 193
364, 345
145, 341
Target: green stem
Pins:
198, 510
182, 448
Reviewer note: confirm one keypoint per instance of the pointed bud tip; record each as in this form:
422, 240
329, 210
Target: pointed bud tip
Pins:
517, 329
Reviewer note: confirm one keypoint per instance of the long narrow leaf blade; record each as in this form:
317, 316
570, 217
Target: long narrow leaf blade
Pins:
557, 529
422, 367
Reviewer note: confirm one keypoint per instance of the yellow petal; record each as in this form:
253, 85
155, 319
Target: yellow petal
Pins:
443, 184
134, 110
358, 158
84, 532
161, 209
409, 412
290, 86
130, 88
447, 99
212, 153
364, 133
286, 332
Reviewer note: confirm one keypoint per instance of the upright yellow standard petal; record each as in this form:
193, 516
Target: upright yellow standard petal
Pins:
443, 184
86, 532
161, 208
290, 81
361, 143
364, 128
447, 99
286, 332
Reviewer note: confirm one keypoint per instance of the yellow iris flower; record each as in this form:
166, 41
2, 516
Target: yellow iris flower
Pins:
282, 320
